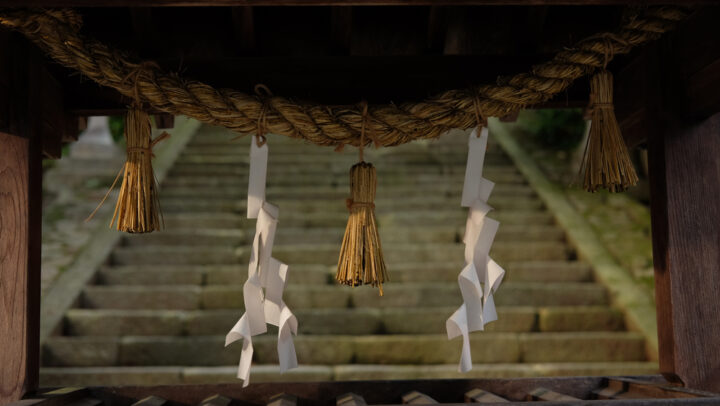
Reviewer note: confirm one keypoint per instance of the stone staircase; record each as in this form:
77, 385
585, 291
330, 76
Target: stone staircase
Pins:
161, 306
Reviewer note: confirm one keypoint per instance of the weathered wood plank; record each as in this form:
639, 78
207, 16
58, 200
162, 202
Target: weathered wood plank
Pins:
481, 396
20, 227
150, 401
374, 392
547, 395
417, 398
216, 400
684, 181
634, 388
283, 399
350, 399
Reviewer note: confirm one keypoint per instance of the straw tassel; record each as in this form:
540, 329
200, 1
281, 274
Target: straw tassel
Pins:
138, 208
361, 259
606, 163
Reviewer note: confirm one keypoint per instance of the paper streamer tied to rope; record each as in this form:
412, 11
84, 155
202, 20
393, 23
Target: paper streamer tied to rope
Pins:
481, 276
263, 290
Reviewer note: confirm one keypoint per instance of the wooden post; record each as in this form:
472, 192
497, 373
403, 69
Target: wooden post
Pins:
24, 117
685, 187
20, 228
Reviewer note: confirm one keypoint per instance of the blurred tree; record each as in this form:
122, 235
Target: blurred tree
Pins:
556, 129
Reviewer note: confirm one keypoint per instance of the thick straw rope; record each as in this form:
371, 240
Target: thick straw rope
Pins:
57, 32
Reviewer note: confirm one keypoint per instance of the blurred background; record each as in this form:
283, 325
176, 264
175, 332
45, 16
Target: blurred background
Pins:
152, 309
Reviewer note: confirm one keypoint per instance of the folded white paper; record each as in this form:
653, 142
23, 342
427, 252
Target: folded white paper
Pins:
256, 183
263, 290
481, 276
473, 171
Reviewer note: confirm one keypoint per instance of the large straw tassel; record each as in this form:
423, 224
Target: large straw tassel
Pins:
138, 208
606, 163
361, 259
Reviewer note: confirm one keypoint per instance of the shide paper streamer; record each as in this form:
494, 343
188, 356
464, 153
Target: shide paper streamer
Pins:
264, 272
481, 276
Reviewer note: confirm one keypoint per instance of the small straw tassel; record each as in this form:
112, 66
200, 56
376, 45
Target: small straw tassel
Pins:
361, 259
607, 162
137, 209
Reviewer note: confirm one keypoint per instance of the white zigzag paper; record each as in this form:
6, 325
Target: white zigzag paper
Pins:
264, 272
481, 276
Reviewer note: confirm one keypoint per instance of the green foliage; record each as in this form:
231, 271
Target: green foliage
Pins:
557, 129
117, 128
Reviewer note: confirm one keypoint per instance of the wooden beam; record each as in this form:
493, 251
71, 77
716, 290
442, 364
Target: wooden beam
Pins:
20, 229
244, 29
693, 55
340, 30
325, 79
684, 184
214, 3
699, 52
437, 27
143, 30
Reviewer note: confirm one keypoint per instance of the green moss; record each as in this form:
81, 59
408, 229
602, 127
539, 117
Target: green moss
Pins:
117, 128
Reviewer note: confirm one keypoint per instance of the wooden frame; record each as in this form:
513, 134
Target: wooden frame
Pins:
674, 109
552, 391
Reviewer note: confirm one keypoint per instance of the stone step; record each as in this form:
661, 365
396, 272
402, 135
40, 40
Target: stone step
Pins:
487, 347
452, 191
400, 295
382, 206
293, 219
327, 179
327, 254
154, 275
388, 235
175, 375
421, 320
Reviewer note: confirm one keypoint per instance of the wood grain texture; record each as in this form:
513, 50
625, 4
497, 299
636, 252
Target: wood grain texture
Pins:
685, 184
14, 247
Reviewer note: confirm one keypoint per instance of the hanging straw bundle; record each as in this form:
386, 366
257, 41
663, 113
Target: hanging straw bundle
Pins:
606, 163
138, 208
361, 259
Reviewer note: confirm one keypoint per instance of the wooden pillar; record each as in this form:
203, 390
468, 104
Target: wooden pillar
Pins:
20, 228
685, 199
22, 112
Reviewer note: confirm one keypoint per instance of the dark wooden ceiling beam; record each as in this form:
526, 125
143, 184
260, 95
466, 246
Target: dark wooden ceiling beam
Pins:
331, 80
238, 3
244, 29
340, 30
693, 55
437, 28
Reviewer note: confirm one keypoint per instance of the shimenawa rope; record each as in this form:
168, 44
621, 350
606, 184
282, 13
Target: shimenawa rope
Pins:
57, 32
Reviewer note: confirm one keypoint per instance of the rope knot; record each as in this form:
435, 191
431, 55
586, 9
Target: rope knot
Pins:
351, 204
144, 70
263, 94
